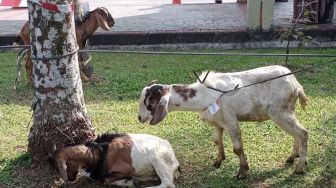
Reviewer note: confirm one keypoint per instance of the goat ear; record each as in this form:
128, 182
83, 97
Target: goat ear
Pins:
102, 22
161, 110
53, 150
152, 82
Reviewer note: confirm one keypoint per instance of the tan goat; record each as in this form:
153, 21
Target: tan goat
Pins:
100, 17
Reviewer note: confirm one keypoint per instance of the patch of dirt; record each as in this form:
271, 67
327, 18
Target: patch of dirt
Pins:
29, 176
44, 177
326, 182
260, 185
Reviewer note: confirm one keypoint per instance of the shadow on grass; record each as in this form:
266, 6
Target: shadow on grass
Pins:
9, 166
19, 172
254, 179
321, 170
324, 161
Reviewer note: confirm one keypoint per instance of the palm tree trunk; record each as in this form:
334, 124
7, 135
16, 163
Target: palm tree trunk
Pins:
59, 110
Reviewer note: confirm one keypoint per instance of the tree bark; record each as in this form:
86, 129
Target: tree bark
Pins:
59, 115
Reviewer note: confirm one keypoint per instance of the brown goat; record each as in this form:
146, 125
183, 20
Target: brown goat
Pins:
70, 158
100, 17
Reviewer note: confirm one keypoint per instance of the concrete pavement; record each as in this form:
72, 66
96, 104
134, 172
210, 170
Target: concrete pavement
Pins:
159, 22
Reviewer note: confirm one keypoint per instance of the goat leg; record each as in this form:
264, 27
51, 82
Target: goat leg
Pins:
218, 139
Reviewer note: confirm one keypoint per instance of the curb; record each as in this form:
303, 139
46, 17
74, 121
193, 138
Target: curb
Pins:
190, 37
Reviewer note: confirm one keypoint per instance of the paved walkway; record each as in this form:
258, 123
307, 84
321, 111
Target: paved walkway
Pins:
153, 16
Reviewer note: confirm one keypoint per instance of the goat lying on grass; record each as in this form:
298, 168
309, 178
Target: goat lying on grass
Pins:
273, 100
100, 17
120, 159
73, 157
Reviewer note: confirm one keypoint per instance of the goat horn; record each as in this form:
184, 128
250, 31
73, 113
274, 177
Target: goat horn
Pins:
153, 82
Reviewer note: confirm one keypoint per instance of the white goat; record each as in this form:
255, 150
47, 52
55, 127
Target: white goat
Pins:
273, 100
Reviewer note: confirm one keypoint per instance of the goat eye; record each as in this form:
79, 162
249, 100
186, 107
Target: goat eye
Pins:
149, 108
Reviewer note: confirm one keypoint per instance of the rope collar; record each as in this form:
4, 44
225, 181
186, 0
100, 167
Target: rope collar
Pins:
222, 91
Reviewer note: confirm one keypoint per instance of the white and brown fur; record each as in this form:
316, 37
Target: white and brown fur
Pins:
273, 100
125, 158
100, 17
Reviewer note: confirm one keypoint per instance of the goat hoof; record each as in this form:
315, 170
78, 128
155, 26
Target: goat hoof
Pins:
299, 171
289, 160
243, 171
300, 168
217, 164
241, 174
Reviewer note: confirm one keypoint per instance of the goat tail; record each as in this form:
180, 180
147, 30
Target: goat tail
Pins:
302, 96
18, 41
303, 99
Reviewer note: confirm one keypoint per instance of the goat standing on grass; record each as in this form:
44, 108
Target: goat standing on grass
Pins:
100, 17
273, 100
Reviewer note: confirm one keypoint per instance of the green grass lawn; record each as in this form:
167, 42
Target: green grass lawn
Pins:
112, 103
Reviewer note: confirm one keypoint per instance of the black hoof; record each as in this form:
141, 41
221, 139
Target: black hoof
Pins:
217, 164
241, 175
290, 161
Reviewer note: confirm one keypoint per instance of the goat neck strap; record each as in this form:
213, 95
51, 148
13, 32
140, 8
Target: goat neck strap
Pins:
215, 89
209, 87
202, 82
